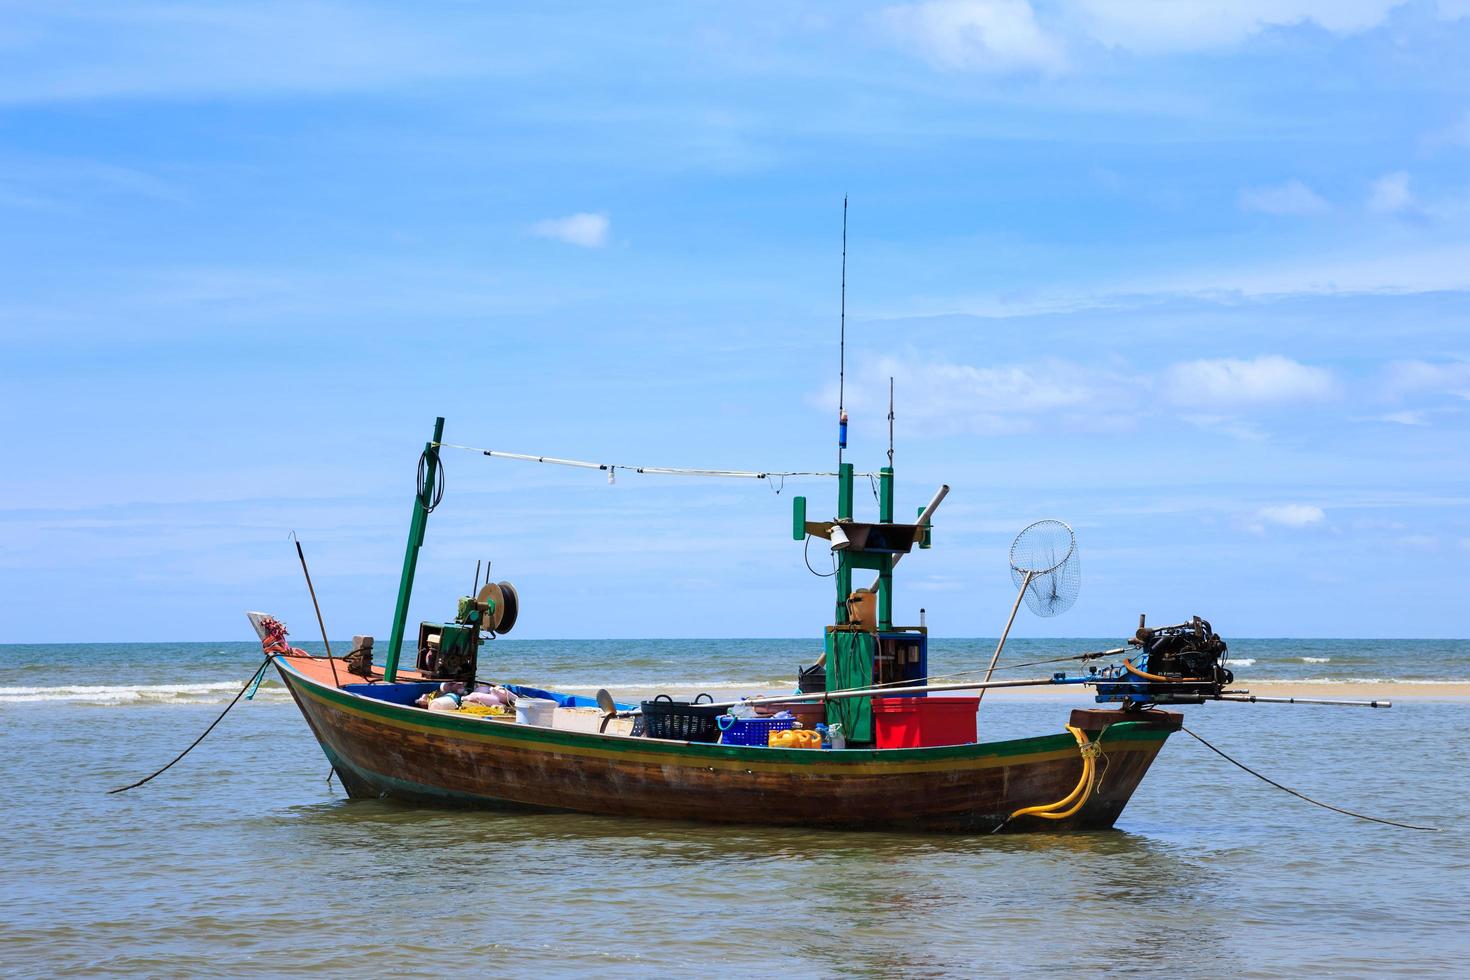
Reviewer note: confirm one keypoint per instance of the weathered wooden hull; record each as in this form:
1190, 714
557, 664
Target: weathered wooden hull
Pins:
385, 750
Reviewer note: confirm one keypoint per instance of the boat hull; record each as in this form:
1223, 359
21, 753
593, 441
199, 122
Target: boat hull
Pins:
379, 749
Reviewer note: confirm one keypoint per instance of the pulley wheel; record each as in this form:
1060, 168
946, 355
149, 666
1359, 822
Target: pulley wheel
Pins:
491, 592
512, 607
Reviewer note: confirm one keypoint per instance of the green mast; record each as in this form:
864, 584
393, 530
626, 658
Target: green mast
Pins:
844, 560
885, 573
411, 555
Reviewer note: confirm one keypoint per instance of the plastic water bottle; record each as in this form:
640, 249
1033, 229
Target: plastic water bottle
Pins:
835, 736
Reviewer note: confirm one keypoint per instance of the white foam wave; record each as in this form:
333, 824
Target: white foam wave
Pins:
1316, 660
110, 694
1242, 661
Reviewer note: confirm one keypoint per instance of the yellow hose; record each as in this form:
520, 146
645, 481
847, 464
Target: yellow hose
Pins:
1076, 799
1128, 666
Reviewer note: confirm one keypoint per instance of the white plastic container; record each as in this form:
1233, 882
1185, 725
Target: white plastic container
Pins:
535, 711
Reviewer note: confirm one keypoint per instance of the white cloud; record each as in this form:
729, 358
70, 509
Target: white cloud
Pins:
1427, 377
1370, 268
1403, 418
1390, 194
1151, 26
1292, 197
997, 36
1006, 35
1269, 379
60, 52
1291, 515
584, 228
937, 398
1227, 425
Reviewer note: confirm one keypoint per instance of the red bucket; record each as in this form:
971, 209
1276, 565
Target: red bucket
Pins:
912, 723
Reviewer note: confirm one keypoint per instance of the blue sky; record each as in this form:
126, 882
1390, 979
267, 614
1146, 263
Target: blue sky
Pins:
1193, 277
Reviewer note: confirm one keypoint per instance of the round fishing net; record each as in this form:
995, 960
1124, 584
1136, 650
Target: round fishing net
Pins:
1047, 551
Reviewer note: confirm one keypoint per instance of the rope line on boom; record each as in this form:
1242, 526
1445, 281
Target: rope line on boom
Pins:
649, 470
1302, 796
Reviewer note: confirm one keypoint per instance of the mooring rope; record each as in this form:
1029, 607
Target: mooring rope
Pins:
258, 671
650, 470
1302, 796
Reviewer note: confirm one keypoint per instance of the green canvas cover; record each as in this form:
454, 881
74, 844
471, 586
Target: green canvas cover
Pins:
849, 666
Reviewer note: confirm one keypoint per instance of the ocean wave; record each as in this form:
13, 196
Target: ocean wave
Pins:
1242, 661
110, 694
1316, 660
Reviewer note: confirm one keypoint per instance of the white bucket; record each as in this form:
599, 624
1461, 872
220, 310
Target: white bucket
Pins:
535, 711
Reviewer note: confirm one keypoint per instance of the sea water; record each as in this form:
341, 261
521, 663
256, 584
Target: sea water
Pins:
245, 859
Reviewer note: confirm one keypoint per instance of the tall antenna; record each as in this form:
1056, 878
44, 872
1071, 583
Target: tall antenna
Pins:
842, 347
890, 423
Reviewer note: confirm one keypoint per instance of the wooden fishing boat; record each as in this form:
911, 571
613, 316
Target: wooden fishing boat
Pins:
383, 749
381, 742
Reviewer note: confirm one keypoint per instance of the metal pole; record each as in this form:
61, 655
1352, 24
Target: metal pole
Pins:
885, 577
1007, 631
411, 558
325, 642
1252, 699
844, 562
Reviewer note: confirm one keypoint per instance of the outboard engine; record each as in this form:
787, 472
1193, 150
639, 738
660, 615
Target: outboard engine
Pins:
1188, 651
1179, 664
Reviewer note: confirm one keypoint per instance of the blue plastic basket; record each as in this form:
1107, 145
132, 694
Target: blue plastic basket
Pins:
751, 731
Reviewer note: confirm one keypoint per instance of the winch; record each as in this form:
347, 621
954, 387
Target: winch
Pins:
1179, 664
450, 651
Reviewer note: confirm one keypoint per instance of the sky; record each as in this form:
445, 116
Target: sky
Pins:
1192, 277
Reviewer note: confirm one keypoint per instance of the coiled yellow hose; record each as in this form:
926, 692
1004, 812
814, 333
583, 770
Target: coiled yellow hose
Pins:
1079, 796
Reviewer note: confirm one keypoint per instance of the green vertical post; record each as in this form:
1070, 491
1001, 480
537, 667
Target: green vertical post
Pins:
844, 563
411, 555
885, 576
